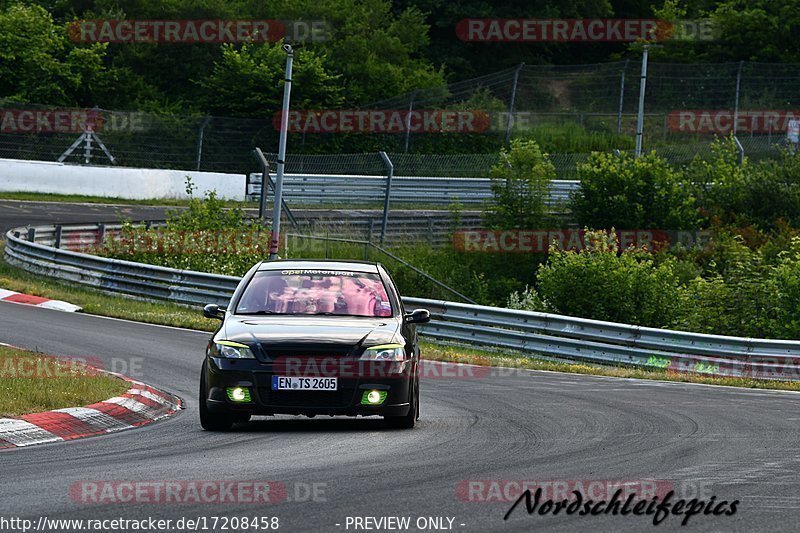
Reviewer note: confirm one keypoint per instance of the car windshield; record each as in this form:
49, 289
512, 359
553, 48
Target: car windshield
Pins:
315, 292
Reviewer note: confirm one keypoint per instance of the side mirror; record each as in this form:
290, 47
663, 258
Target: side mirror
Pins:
418, 316
214, 311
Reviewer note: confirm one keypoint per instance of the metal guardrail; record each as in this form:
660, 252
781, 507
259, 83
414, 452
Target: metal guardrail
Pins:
309, 189
528, 332
432, 228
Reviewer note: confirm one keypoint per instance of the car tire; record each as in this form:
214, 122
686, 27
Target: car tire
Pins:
410, 419
208, 420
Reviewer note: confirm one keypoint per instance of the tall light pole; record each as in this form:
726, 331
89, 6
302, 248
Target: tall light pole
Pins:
275, 237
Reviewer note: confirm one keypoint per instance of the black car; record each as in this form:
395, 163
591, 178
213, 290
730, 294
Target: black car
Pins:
312, 338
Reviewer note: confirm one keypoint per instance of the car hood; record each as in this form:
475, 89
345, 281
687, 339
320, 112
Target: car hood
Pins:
311, 330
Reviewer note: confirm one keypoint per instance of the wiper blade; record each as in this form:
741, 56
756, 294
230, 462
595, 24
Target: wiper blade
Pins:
262, 312
329, 313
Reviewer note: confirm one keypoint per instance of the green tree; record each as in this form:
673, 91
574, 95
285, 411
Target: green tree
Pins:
249, 80
38, 63
520, 184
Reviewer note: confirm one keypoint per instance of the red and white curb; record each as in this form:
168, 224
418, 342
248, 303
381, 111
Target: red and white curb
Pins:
140, 405
38, 301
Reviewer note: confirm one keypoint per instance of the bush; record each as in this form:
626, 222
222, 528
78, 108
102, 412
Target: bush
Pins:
719, 182
764, 195
632, 193
787, 293
601, 283
204, 214
520, 184
772, 192
736, 295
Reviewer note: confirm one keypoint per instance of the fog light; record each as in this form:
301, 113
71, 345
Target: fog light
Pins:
373, 397
238, 394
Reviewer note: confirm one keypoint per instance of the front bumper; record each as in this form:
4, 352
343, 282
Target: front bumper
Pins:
354, 377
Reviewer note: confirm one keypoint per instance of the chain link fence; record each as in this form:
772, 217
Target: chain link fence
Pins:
570, 110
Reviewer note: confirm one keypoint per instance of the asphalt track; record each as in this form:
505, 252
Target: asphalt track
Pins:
15, 213
735, 444
732, 443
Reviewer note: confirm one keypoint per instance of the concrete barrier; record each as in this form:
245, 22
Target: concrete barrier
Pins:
114, 182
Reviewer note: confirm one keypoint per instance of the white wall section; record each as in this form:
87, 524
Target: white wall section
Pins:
114, 182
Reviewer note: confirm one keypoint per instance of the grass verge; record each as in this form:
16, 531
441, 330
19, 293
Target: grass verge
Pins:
467, 355
84, 199
31, 382
99, 303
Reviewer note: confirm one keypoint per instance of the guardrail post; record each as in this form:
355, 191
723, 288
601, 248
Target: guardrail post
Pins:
389, 174
57, 240
101, 234
31, 234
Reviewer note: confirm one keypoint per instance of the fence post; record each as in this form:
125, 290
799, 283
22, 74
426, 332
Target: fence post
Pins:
57, 243
740, 149
274, 239
200, 140
512, 103
640, 115
264, 179
389, 174
408, 120
621, 96
736, 103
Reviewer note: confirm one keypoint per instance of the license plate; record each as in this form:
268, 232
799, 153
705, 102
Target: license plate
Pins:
295, 383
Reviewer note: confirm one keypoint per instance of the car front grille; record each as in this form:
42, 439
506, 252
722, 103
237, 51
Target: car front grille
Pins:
274, 353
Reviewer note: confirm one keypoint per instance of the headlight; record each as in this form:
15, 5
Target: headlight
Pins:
232, 350
385, 352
